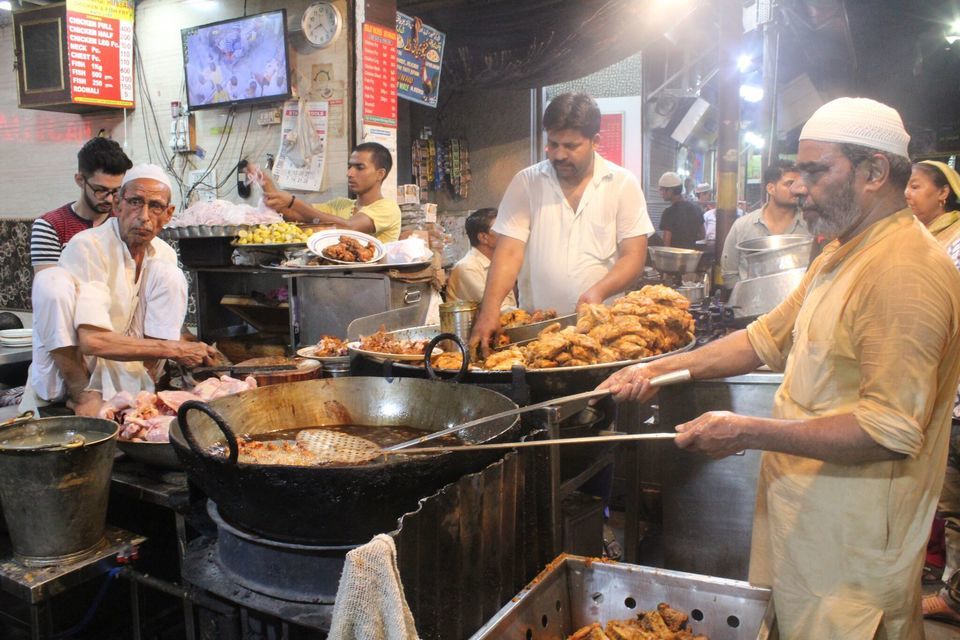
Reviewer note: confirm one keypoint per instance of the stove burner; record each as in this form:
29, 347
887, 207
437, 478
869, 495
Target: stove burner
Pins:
713, 319
283, 570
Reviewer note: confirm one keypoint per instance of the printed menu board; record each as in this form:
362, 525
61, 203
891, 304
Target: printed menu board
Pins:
419, 59
379, 75
100, 51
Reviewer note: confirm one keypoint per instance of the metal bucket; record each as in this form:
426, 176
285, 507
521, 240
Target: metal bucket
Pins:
54, 485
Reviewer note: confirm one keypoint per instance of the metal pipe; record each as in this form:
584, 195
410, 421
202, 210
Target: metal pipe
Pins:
178, 591
771, 56
728, 107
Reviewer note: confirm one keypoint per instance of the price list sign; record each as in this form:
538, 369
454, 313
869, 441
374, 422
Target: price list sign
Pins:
100, 51
379, 75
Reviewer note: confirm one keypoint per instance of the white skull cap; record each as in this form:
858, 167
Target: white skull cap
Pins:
149, 172
859, 121
670, 179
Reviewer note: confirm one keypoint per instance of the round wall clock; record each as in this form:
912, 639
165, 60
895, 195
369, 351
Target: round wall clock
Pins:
322, 24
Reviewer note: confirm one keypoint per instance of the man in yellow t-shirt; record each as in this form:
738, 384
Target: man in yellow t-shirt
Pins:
370, 213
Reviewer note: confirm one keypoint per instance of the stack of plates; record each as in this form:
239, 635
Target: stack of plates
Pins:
16, 337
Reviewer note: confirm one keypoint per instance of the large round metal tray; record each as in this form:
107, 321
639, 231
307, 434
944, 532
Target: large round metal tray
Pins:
154, 454
430, 331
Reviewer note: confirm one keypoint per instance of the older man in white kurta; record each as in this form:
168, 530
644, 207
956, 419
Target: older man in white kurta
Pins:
119, 295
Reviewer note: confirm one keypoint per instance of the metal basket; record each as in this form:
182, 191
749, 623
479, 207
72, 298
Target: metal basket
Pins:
573, 592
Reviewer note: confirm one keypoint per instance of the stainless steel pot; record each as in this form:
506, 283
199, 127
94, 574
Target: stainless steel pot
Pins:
674, 260
774, 254
755, 296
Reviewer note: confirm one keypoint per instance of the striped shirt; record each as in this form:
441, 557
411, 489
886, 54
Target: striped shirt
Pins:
53, 230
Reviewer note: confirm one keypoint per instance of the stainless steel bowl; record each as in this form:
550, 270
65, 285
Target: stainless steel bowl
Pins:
673, 260
693, 292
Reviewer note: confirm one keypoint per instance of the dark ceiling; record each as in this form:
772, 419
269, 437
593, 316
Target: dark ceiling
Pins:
891, 50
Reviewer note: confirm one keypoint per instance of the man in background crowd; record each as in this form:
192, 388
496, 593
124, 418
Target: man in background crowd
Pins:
681, 224
780, 215
101, 164
371, 213
469, 276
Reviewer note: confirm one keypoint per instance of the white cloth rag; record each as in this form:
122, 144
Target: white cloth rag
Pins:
370, 603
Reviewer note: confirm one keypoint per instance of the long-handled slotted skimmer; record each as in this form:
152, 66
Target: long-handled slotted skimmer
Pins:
333, 447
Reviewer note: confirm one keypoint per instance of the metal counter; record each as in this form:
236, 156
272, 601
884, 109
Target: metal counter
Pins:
708, 504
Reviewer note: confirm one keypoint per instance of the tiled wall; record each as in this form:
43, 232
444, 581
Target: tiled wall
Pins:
16, 274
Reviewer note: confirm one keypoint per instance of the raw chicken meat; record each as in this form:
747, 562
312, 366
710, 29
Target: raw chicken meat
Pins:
147, 417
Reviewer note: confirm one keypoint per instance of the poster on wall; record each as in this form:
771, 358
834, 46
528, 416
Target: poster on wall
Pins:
387, 136
419, 60
379, 75
611, 138
303, 146
100, 52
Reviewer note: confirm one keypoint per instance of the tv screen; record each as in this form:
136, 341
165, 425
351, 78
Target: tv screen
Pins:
237, 61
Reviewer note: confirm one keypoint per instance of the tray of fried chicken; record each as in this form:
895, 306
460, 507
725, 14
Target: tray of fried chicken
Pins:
641, 324
404, 345
580, 598
345, 246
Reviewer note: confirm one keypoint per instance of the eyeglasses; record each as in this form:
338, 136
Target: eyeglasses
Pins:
155, 207
100, 191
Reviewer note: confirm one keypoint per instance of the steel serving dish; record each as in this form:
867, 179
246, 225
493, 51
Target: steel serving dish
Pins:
573, 592
332, 505
154, 454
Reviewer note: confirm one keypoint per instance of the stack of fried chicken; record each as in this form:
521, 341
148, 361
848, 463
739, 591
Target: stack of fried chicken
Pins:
350, 250
642, 323
666, 623
521, 318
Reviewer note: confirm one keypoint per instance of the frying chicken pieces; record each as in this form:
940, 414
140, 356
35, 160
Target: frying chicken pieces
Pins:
350, 250
640, 324
665, 623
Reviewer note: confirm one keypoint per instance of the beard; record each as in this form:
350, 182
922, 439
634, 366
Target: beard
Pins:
836, 214
93, 205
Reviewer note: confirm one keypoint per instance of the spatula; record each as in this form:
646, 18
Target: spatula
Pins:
674, 377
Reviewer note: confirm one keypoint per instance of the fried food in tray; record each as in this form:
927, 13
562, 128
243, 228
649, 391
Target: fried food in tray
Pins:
520, 318
350, 250
640, 324
383, 342
664, 623
330, 347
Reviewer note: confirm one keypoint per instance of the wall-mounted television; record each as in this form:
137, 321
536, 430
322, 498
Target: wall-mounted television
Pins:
237, 61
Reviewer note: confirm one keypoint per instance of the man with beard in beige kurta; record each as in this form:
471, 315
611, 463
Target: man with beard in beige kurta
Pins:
869, 344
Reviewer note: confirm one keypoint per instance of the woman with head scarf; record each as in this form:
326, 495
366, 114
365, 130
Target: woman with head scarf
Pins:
932, 193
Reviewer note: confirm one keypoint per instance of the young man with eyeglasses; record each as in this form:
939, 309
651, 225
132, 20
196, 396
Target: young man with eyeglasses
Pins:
101, 164
112, 309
